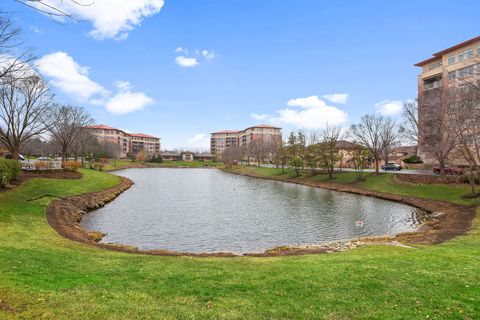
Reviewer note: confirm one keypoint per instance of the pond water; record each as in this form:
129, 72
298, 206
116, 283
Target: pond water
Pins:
207, 210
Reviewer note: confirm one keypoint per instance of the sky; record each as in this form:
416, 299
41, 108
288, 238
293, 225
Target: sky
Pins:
180, 69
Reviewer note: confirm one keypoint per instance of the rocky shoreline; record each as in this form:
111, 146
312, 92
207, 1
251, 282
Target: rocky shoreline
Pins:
445, 221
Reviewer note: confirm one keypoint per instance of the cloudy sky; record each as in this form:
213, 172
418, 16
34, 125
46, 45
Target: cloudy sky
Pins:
180, 69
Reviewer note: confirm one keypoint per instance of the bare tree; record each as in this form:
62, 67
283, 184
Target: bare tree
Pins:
388, 137
409, 126
442, 134
231, 155
25, 106
51, 10
281, 156
14, 58
260, 149
68, 122
330, 154
467, 122
368, 133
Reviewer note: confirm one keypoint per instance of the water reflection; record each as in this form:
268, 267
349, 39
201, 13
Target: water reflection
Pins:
197, 210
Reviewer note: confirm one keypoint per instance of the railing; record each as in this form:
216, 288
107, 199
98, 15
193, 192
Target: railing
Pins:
31, 165
432, 85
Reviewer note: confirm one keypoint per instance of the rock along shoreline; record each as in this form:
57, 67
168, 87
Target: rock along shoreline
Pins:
445, 221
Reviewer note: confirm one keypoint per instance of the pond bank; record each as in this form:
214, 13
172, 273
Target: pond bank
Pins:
445, 221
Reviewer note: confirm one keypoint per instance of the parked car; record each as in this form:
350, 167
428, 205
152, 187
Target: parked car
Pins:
450, 170
20, 157
391, 166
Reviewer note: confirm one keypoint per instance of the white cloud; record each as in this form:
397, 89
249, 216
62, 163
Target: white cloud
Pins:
308, 102
110, 18
257, 116
192, 58
389, 108
208, 54
72, 79
36, 30
126, 102
200, 140
310, 113
186, 62
340, 98
69, 76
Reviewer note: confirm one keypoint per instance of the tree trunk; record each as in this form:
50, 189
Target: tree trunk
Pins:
377, 171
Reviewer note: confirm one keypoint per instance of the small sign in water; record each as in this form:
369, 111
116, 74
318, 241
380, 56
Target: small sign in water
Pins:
359, 223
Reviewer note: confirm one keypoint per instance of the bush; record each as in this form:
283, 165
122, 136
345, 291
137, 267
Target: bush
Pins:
100, 166
41, 165
413, 159
72, 165
156, 159
9, 171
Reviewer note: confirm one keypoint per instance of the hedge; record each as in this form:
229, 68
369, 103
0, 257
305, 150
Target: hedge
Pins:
9, 171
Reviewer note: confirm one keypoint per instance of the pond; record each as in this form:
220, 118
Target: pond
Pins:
207, 210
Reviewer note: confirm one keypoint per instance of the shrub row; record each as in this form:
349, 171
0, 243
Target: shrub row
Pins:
9, 171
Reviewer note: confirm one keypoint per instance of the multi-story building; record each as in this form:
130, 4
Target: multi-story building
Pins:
127, 143
450, 67
226, 138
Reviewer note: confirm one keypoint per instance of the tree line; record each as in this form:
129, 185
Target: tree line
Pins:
31, 120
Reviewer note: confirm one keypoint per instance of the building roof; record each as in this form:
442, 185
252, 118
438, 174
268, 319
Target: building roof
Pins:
406, 149
101, 126
105, 127
142, 135
441, 53
264, 126
226, 131
344, 144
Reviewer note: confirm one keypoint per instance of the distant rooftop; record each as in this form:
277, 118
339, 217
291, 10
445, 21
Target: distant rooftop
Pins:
255, 126
105, 127
438, 55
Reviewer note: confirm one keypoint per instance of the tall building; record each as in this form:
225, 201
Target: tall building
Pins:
127, 143
443, 70
226, 138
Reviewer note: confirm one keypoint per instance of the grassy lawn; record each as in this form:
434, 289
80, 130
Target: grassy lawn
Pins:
43, 275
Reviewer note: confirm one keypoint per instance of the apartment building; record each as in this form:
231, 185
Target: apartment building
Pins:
449, 67
127, 143
221, 140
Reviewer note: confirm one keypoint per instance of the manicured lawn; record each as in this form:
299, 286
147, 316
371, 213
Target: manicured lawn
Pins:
43, 275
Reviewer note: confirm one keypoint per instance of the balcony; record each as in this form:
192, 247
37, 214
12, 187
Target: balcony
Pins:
432, 84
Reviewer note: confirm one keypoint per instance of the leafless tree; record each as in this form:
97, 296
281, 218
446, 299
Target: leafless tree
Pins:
442, 136
231, 155
14, 58
68, 122
87, 146
260, 149
388, 137
409, 126
53, 11
467, 122
25, 106
329, 152
368, 133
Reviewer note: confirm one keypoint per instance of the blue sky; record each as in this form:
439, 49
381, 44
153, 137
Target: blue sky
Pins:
181, 69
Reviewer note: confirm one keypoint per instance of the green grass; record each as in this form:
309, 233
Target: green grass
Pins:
43, 275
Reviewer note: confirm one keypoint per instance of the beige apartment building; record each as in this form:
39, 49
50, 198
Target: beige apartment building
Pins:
449, 67
127, 143
221, 140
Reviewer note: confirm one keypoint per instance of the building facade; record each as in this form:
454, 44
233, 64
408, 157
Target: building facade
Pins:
221, 140
447, 68
127, 143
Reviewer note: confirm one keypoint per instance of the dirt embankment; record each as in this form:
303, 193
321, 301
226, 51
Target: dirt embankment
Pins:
445, 220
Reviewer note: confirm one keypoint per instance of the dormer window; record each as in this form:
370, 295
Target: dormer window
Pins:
434, 65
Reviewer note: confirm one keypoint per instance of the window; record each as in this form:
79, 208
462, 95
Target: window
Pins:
467, 54
434, 65
452, 75
451, 60
465, 72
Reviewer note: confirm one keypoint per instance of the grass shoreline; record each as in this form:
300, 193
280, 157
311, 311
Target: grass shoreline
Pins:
43, 275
